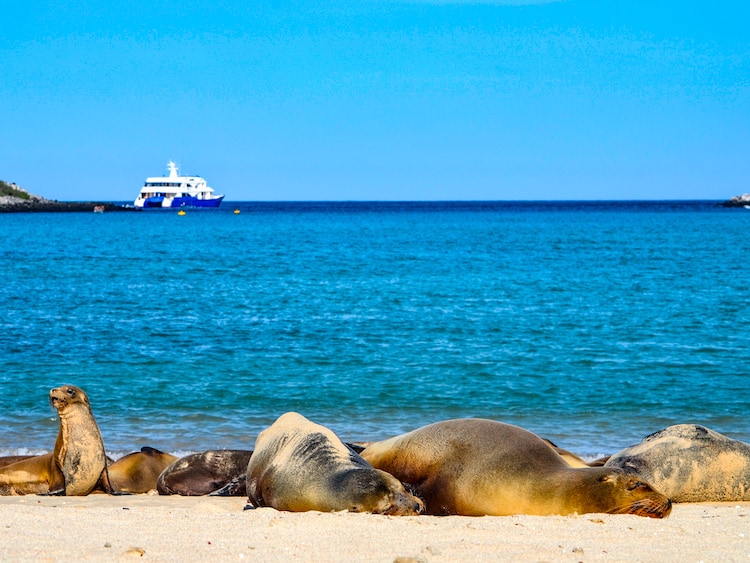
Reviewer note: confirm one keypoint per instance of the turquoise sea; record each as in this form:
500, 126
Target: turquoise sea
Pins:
592, 324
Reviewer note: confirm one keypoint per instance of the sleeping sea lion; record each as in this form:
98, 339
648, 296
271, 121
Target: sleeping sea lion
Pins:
217, 472
137, 472
690, 463
77, 463
298, 466
8, 459
477, 467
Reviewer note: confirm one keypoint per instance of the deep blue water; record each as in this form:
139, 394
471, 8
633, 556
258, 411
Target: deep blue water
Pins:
589, 323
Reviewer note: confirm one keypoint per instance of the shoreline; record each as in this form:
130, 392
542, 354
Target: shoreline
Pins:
172, 528
24, 206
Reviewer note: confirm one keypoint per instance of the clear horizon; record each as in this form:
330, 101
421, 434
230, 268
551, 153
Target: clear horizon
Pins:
384, 100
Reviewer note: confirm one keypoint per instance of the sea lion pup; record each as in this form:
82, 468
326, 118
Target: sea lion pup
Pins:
298, 466
137, 472
690, 463
476, 467
78, 462
213, 472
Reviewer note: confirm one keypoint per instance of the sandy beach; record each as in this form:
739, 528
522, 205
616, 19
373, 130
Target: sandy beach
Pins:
172, 528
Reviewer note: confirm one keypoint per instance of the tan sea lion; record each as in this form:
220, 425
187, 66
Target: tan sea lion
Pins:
298, 466
77, 463
690, 463
138, 472
215, 472
477, 467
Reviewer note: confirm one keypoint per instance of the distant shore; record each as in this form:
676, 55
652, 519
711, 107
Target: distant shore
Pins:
15, 199
17, 205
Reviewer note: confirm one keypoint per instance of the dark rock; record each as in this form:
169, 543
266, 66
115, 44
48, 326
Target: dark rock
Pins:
738, 201
26, 206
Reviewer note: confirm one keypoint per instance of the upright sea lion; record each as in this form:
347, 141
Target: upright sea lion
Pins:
477, 467
298, 466
219, 472
138, 472
77, 463
690, 463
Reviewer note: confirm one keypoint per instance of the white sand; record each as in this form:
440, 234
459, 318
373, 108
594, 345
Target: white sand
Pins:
154, 528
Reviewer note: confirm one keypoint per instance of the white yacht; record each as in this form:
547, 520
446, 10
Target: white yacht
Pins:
176, 191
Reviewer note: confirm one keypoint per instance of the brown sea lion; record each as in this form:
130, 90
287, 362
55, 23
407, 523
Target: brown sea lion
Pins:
298, 466
477, 467
77, 463
217, 472
8, 459
138, 472
570, 458
690, 463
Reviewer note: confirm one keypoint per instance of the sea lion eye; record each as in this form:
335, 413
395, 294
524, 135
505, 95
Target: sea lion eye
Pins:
70, 391
635, 485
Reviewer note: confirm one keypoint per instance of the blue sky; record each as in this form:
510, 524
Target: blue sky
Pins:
379, 99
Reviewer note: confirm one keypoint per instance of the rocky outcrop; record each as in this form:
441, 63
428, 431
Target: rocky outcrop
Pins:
738, 201
15, 199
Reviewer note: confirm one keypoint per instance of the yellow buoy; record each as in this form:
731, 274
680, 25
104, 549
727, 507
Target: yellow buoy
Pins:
181, 212
236, 211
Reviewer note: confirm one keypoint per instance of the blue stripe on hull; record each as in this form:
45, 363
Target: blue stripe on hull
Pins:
195, 202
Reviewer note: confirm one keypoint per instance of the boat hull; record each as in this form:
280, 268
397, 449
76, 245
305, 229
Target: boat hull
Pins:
161, 202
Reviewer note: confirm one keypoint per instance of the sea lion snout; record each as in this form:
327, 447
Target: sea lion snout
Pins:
59, 396
407, 505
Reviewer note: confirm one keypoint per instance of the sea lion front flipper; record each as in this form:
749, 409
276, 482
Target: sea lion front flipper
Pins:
55, 493
237, 487
105, 484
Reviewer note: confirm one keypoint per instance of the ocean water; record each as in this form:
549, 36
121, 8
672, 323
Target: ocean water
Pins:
592, 324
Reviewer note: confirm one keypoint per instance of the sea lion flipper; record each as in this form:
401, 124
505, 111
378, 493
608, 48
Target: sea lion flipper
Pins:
237, 487
105, 483
55, 493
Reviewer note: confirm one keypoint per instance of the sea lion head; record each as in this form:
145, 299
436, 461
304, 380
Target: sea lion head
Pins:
67, 395
621, 492
378, 492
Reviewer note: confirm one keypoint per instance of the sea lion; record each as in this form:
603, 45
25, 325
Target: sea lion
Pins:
690, 463
475, 467
570, 458
137, 472
8, 459
216, 472
78, 462
298, 466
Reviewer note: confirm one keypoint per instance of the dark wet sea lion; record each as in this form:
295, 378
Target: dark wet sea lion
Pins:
219, 472
138, 472
298, 466
479, 467
690, 463
78, 462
